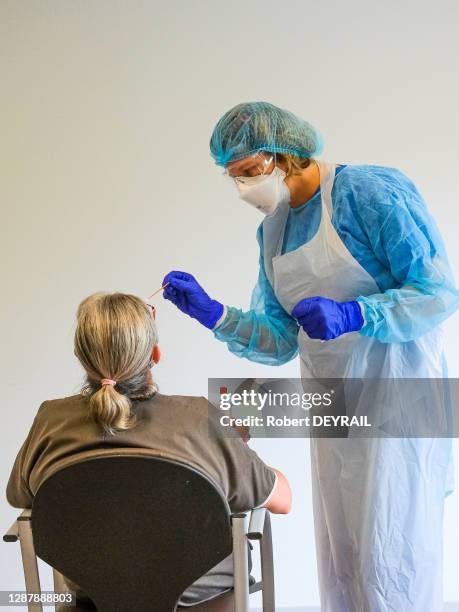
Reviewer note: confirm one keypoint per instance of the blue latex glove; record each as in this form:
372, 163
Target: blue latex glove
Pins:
324, 319
187, 294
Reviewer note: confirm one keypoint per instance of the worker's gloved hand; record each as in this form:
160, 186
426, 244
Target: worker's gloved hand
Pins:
324, 319
187, 294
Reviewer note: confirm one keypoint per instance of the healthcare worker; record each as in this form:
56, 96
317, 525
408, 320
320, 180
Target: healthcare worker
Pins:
353, 276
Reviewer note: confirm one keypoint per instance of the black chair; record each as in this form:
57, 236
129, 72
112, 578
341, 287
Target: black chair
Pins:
135, 530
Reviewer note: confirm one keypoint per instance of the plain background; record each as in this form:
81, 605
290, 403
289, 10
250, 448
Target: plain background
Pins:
106, 182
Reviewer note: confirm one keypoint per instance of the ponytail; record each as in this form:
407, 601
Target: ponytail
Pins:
111, 409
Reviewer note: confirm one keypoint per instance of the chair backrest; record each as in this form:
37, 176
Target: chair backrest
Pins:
132, 531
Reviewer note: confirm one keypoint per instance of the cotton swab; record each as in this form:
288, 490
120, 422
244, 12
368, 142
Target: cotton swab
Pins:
158, 290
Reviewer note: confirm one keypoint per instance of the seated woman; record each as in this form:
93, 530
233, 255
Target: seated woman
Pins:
116, 342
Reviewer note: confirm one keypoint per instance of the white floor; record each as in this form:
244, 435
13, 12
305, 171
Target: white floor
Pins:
449, 607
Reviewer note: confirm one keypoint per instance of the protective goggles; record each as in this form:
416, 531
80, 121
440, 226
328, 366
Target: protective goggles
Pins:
255, 165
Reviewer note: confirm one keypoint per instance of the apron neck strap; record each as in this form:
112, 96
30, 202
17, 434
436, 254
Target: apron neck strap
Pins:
327, 178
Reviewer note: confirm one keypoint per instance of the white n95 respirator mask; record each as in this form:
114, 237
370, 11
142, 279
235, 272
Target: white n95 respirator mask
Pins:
265, 191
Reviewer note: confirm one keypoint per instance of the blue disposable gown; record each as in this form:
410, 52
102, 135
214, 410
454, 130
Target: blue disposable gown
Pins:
383, 220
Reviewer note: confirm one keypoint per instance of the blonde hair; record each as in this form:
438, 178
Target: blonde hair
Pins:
294, 163
114, 339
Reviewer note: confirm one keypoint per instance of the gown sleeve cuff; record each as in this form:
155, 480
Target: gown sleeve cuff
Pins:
362, 308
221, 319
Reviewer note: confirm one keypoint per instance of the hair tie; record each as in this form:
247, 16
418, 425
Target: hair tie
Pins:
108, 381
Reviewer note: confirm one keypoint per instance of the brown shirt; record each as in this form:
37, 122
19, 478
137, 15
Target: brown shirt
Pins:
178, 427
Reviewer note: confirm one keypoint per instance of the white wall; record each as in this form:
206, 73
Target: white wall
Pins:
107, 109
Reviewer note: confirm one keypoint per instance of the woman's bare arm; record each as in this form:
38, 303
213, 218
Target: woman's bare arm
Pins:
280, 499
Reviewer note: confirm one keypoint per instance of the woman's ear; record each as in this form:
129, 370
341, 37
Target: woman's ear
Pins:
156, 354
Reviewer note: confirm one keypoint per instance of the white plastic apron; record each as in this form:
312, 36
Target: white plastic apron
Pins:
378, 503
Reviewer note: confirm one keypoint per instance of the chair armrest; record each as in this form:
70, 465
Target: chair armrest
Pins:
239, 523
259, 528
12, 535
257, 524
